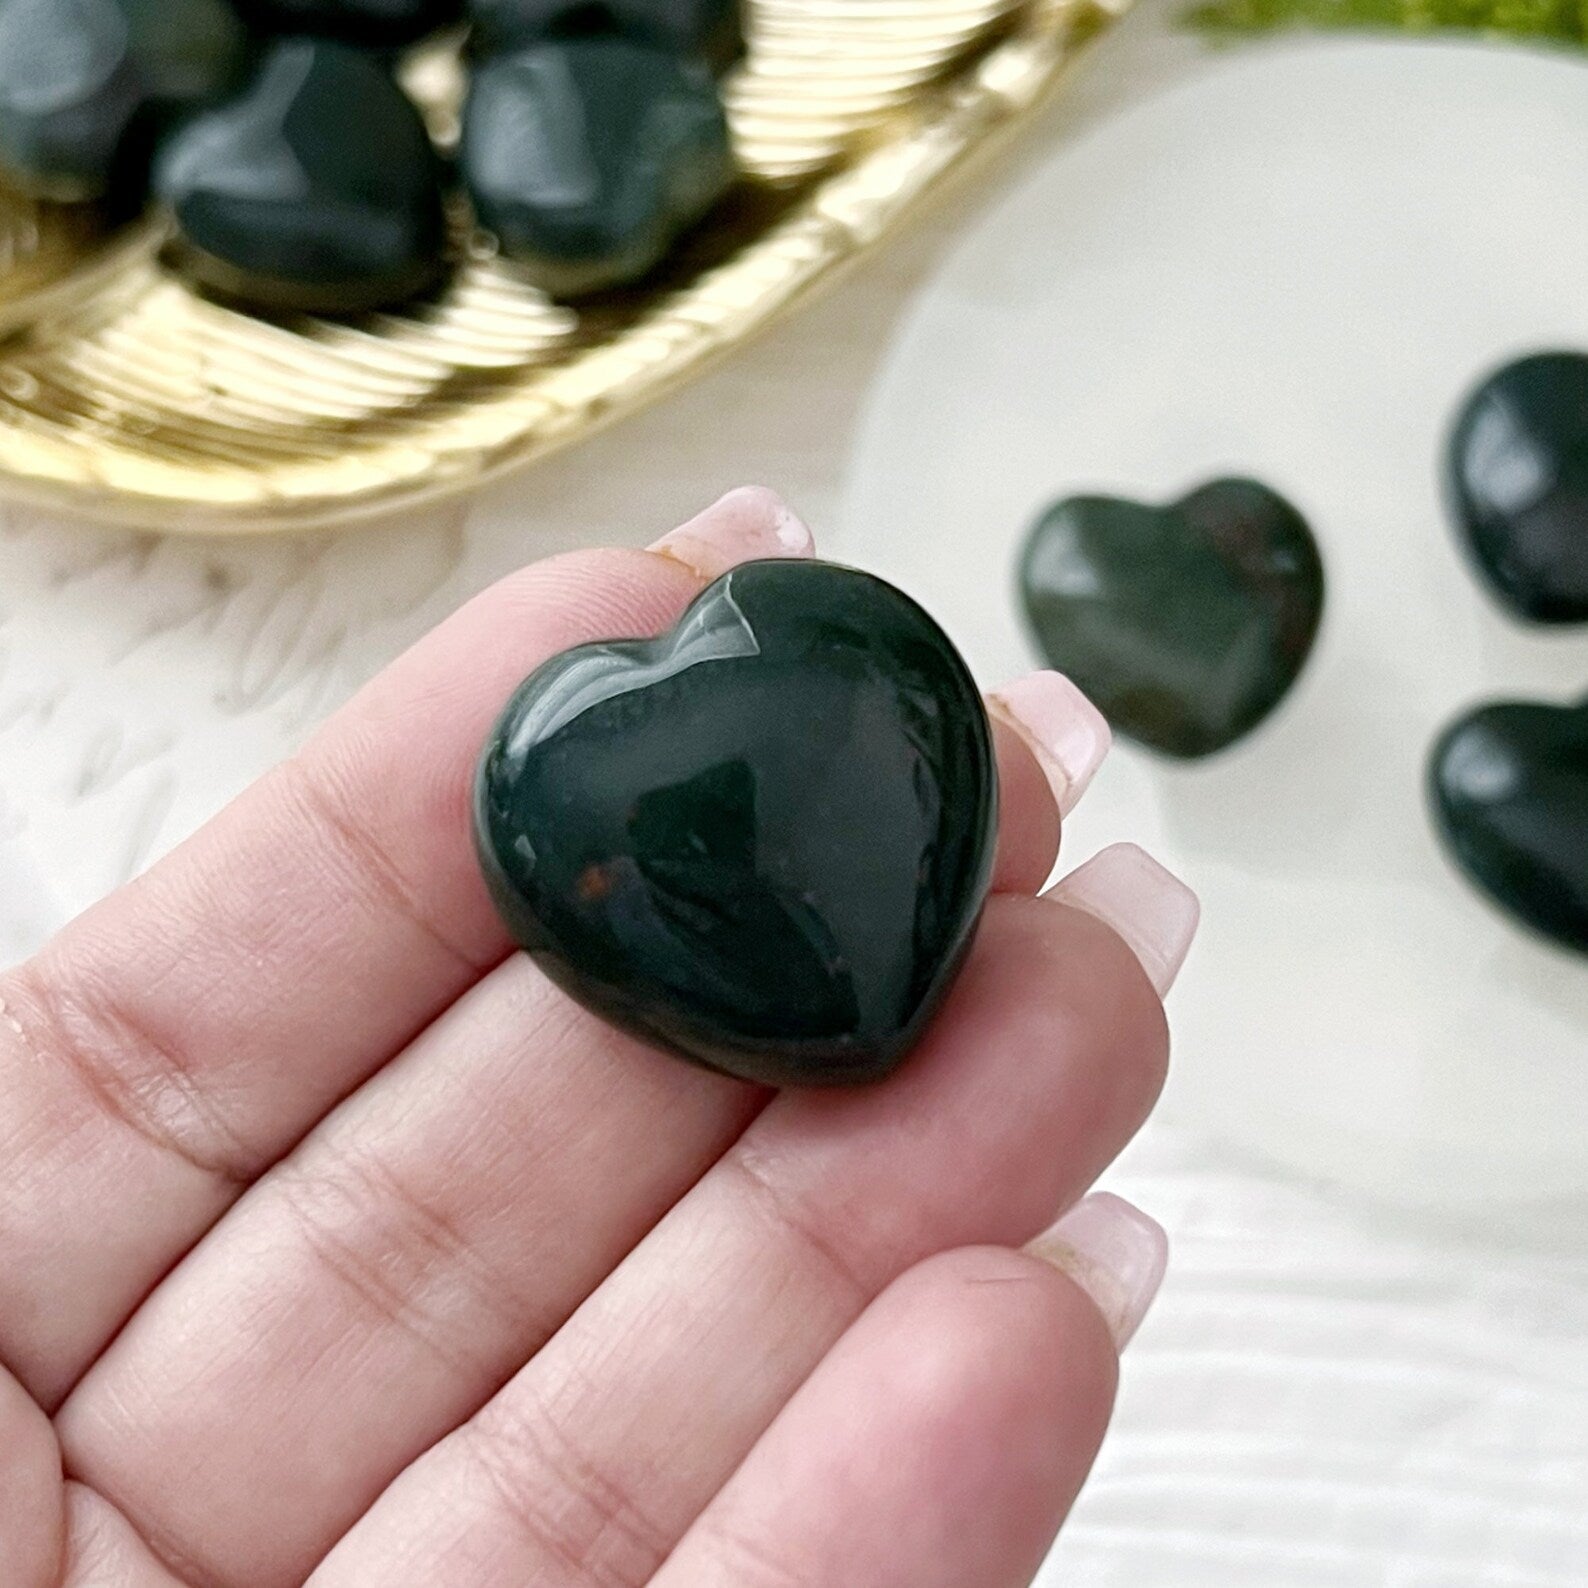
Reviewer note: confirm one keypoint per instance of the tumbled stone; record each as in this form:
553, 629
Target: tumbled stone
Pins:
316, 190
588, 158
1518, 485
1186, 624
709, 30
762, 841
1509, 785
76, 76
377, 23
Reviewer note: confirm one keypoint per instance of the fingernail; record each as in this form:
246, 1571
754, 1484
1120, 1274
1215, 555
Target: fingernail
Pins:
1152, 909
1068, 734
744, 526
1115, 1253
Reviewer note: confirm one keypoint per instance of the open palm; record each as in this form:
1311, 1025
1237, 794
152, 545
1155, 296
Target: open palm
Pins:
337, 1247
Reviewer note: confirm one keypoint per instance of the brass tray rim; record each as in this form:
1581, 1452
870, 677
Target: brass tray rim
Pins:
1061, 29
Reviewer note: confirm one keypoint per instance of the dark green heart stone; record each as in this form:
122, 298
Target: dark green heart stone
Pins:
1509, 787
1518, 485
588, 158
763, 840
1186, 624
78, 76
381, 24
317, 190
708, 30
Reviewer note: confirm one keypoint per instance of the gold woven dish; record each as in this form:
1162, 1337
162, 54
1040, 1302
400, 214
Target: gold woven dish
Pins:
127, 396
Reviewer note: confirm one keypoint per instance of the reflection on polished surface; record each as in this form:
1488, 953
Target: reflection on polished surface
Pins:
1519, 485
762, 840
1510, 791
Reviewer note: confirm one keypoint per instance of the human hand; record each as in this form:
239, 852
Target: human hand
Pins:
339, 1247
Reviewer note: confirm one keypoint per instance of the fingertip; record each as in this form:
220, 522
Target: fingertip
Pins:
1012, 1370
1029, 825
745, 525
1115, 1252
1050, 1322
1067, 734
1145, 903
941, 1442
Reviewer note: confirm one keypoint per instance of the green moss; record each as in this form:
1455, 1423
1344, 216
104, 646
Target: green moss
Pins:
1564, 21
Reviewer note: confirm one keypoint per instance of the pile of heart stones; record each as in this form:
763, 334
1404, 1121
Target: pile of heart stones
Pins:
302, 177
1188, 624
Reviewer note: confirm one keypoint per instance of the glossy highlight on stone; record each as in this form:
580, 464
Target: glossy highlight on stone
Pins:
1509, 788
77, 77
1186, 624
380, 24
1517, 480
587, 158
763, 840
708, 30
317, 190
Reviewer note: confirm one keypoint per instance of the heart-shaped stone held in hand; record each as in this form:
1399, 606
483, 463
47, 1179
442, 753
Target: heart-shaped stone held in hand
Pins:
1186, 624
1509, 786
1518, 485
762, 840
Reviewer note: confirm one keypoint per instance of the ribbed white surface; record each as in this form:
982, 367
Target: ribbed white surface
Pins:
1323, 1399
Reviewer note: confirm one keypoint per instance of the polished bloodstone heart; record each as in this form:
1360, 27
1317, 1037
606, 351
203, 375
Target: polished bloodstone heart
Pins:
77, 76
378, 23
1518, 485
588, 157
1186, 624
1509, 785
710, 30
317, 190
763, 840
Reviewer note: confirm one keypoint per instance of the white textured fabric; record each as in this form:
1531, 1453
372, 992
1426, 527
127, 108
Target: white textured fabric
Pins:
27, 906
1324, 1397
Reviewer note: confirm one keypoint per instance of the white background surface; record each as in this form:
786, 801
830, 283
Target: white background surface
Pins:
1214, 283
1333, 1390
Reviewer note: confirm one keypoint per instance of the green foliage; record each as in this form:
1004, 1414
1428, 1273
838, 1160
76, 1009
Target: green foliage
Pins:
1564, 21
